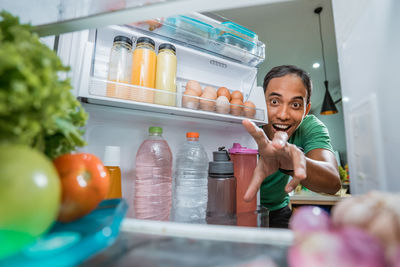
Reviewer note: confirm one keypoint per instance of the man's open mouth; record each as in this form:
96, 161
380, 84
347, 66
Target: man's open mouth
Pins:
281, 127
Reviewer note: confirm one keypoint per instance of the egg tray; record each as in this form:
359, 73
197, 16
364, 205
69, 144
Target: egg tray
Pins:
210, 105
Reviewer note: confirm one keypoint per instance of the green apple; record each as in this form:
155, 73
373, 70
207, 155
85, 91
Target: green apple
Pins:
30, 194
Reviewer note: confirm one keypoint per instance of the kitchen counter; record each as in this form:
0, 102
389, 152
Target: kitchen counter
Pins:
316, 199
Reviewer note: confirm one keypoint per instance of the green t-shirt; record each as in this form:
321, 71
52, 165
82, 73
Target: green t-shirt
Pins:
311, 134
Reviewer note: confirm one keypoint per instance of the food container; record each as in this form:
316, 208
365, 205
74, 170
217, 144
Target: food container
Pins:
190, 29
236, 35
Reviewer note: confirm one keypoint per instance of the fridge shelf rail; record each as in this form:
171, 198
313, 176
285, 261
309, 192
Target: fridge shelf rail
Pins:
102, 91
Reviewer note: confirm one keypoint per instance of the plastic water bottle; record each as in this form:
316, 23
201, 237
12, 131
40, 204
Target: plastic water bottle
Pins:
190, 189
153, 183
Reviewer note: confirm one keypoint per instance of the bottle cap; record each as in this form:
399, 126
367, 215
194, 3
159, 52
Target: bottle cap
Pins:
155, 129
121, 38
112, 156
167, 46
192, 135
221, 164
238, 149
145, 40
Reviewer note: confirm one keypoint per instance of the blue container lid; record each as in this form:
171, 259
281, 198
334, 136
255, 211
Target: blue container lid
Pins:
69, 244
194, 22
240, 29
236, 40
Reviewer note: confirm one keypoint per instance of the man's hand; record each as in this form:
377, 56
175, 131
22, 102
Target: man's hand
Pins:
274, 154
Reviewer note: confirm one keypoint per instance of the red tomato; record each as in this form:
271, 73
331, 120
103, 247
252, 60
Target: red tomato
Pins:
85, 183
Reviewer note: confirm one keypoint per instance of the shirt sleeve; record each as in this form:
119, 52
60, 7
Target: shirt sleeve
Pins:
316, 135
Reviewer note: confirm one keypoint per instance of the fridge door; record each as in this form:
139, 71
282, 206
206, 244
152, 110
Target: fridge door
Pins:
368, 41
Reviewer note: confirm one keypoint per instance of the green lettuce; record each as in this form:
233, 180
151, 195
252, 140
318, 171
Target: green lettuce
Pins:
37, 108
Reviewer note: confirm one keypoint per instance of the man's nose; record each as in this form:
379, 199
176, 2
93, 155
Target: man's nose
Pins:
283, 113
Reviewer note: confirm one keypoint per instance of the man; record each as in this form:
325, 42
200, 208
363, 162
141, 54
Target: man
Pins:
289, 131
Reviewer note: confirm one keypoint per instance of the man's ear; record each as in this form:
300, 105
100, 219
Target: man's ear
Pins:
308, 108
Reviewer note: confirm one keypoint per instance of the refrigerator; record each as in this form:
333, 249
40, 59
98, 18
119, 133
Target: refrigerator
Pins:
367, 41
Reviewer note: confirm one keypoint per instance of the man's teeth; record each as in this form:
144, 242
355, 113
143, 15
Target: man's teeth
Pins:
281, 127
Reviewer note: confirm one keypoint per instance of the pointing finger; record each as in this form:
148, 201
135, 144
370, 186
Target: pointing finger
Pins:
257, 133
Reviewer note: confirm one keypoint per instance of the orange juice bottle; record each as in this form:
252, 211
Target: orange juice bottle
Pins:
119, 67
111, 162
143, 70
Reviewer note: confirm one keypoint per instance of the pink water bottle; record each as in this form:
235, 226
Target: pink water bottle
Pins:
244, 163
153, 183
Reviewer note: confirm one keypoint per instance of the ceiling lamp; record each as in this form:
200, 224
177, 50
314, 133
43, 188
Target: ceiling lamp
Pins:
328, 106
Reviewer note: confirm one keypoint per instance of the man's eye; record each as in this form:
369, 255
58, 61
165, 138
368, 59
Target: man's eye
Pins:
274, 101
296, 105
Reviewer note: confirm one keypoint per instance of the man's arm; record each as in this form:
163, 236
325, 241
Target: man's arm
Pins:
322, 172
317, 170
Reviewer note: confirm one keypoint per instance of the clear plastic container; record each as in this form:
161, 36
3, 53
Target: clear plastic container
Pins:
119, 68
235, 35
190, 189
189, 29
153, 183
240, 31
227, 39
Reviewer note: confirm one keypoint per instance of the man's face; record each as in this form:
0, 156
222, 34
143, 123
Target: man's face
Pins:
286, 98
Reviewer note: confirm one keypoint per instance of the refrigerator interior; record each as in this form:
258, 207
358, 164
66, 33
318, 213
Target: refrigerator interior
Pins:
125, 123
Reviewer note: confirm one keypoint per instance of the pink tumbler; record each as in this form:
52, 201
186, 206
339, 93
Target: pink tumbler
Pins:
244, 163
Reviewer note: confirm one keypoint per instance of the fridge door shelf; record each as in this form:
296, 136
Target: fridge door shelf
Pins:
129, 96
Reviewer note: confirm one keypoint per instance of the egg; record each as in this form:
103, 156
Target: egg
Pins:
237, 94
235, 108
222, 104
249, 109
194, 86
208, 105
211, 91
223, 91
190, 99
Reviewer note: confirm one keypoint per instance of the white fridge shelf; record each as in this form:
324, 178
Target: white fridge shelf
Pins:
128, 96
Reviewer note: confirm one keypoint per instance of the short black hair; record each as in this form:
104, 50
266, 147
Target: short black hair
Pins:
280, 71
